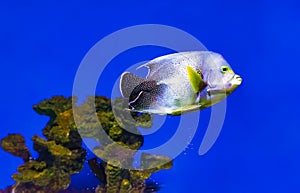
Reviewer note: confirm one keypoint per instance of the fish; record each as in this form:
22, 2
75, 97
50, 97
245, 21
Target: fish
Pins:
179, 83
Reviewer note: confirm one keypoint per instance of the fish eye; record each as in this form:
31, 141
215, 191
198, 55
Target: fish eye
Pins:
224, 69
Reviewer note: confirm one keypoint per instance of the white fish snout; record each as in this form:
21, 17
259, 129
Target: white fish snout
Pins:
237, 80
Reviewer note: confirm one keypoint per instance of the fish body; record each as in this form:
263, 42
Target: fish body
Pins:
179, 83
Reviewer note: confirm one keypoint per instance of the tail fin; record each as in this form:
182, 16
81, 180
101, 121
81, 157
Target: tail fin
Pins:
128, 82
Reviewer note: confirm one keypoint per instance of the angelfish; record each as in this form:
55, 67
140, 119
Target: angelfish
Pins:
180, 83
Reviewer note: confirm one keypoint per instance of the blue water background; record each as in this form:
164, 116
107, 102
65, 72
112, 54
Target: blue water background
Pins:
43, 42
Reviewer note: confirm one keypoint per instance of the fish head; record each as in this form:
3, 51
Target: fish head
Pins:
223, 80
220, 78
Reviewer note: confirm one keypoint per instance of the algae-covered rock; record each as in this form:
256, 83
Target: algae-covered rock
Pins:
60, 152
121, 126
53, 106
112, 118
98, 169
116, 179
15, 144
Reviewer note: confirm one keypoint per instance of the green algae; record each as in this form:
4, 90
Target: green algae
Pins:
60, 151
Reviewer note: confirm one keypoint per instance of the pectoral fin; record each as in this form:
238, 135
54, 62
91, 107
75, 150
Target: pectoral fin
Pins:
196, 80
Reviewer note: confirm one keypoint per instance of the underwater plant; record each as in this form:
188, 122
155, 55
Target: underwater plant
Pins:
114, 118
60, 153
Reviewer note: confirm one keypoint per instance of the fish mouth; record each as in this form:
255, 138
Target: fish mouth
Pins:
236, 80
228, 88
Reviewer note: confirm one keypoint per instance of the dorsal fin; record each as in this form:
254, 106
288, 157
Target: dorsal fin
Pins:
128, 82
195, 78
